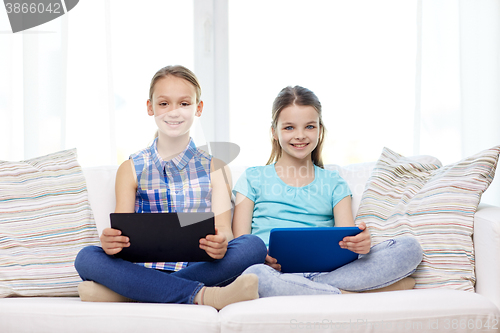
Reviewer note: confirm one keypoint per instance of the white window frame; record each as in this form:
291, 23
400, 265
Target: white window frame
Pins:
211, 65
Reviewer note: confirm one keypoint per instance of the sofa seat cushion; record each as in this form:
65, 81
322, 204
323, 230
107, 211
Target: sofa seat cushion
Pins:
400, 311
69, 314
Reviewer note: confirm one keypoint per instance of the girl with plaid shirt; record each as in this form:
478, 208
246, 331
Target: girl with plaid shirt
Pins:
173, 175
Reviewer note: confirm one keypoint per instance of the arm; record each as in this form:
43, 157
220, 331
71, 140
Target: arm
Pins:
343, 218
126, 185
216, 245
242, 223
243, 212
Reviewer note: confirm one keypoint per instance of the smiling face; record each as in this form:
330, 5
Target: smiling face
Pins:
173, 104
297, 131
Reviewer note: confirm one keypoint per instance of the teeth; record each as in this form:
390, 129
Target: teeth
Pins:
173, 123
300, 145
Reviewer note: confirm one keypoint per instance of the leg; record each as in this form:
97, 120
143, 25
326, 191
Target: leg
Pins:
134, 281
274, 283
90, 291
242, 252
387, 262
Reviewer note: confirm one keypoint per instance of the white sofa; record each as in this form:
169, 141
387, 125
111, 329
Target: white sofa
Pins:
436, 310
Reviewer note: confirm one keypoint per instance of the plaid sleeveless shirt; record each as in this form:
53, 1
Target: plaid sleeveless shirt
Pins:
179, 185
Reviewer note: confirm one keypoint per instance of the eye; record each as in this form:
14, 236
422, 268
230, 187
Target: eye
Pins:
184, 104
288, 128
311, 127
163, 103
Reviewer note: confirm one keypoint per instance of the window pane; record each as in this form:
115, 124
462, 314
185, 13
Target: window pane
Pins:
113, 53
357, 56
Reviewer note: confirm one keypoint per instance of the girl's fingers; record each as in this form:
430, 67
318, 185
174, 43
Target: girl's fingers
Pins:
217, 241
219, 238
214, 253
270, 261
360, 248
214, 245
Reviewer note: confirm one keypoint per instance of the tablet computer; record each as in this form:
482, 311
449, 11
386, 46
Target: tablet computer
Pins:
164, 237
300, 250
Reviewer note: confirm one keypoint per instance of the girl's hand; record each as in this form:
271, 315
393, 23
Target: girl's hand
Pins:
215, 245
273, 263
360, 243
112, 241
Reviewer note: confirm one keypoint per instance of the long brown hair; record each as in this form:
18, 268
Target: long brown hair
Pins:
296, 96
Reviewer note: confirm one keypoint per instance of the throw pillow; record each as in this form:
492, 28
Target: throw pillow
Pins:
45, 219
434, 204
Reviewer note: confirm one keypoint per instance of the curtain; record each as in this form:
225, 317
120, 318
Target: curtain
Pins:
425, 72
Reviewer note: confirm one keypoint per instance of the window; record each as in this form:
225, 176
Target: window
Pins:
357, 56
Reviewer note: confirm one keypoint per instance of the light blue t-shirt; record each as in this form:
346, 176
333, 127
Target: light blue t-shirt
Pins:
278, 205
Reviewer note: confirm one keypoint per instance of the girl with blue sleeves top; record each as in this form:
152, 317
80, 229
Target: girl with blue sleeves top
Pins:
173, 175
294, 190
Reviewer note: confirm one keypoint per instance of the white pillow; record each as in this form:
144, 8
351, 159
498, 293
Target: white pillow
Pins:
45, 220
357, 175
434, 204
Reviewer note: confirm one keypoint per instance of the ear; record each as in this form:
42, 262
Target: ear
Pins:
150, 108
199, 109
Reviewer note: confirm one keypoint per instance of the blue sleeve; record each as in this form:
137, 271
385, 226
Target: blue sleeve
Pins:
340, 189
246, 184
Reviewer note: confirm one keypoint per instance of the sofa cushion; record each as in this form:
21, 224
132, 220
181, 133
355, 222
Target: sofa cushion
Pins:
388, 312
434, 204
69, 314
45, 220
357, 175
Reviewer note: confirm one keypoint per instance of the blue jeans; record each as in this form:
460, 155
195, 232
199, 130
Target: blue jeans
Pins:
386, 263
150, 285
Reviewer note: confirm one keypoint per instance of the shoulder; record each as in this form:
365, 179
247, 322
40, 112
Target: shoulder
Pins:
217, 164
252, 178
328, 174
258, 171
332, 178
143, 151
141, 155
201, 154
126, 173
258, 174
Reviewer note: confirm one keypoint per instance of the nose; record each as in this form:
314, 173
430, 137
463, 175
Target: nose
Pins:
173, 113
299, 135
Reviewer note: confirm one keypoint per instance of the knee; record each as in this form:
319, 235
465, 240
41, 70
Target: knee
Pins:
86, 257
258, 269
254, 248
412, 249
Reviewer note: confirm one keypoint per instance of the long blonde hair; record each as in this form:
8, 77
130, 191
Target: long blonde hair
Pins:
177, 71
296, 96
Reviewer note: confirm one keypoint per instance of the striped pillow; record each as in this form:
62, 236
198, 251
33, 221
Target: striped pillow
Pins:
45, 219
434, 204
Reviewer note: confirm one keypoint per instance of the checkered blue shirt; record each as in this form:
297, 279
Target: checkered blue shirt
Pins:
179, 185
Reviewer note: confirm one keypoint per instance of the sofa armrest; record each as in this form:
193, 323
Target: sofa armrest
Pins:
487, 252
